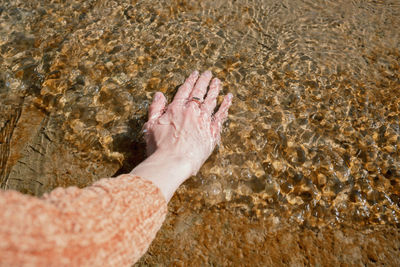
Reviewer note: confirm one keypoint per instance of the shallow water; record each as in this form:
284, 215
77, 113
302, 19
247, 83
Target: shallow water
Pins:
312, 137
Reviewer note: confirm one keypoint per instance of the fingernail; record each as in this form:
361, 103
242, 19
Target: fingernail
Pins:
230, 96
157, 96
217, 81
195, 73
207, 72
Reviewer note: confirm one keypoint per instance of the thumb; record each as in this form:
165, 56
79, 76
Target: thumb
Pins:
221, 116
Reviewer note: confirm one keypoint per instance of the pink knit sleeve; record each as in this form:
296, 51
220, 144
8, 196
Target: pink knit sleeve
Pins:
110, 223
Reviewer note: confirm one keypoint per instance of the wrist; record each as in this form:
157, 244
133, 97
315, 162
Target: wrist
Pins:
167, 170
177, 158
172, 156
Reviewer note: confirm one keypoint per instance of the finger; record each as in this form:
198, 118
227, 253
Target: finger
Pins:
221, 114
200, 88
157, 106
185, 89
211, 100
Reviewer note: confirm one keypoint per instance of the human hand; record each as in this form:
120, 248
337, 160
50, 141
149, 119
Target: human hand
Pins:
187, 128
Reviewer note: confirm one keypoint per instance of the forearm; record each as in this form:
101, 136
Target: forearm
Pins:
166, 170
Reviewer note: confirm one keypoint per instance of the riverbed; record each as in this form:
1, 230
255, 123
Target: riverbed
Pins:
308, 170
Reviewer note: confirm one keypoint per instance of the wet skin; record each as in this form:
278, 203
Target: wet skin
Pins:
182, 135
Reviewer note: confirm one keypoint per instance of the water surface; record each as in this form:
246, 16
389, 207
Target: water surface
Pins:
312, 137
